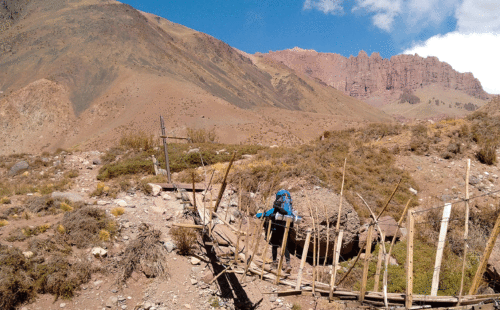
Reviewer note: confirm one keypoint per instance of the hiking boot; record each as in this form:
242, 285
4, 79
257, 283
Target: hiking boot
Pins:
274, 265
287, 268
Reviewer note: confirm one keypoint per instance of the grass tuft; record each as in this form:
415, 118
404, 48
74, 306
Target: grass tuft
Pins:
184, 238
118, 211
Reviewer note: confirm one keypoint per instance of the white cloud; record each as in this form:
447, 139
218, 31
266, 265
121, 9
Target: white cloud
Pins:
474, 52
325, 6
481, 16
385, 11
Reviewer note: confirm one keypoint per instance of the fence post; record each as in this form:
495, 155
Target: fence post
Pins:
367, 263
283, 248
167, 164
440, 248
377, 271
466, 230
303, 259
338, 247
409, 260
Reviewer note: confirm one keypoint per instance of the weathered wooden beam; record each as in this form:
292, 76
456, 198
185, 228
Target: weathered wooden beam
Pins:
440, 248
303, 259
336, 256
367, 263
188, 225
409, 260
283, 248
224, 183
377, 271
466, 230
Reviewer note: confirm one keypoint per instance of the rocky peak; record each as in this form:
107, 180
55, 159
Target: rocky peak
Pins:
361, 76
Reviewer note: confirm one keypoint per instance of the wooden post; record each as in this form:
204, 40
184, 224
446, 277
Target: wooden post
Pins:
194, 193
336, 256
303, 259
249, 244
318, 236
379, 267
466, 230
239, 197
367, 263
337, 227
440, 248
211, 209
283, 248
256, 246
223, 186
237, 249
314, 247
327, 235
268, 238
409, 261
167, 164
486, 256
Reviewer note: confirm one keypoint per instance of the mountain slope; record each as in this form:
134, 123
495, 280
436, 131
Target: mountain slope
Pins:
117, 69
381, 81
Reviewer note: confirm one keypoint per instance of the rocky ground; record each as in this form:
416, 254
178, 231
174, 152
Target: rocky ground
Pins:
188, 283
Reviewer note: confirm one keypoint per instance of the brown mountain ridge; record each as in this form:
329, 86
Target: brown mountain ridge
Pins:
109, 68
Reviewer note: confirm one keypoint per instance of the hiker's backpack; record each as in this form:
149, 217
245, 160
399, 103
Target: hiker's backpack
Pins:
283, 202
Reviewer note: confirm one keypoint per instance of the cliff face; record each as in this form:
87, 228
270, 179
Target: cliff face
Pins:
364, 75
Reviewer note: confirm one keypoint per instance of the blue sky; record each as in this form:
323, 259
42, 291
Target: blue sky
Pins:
456, 31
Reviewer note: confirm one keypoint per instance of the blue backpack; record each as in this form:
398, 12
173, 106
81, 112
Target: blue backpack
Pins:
284, 201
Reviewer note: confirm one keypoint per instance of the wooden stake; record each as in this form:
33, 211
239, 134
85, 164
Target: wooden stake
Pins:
220, 274
269, 235
188, 225
382, 242
390, 198
239, 197
466, 231
248, 244
237, 249
167, 164
318, 235
337, 227
223, 186
314, 246
194, 192
486, 256
409, 261
211, 209
327, 235
283, 248
379, 267
440, 248
303, 259
336, 256
256, 246
367, 263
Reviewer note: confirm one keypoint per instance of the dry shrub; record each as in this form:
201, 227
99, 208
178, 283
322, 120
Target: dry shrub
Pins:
147, 254
4, 223
104, 235
118, 211
83, 226
61, 278
49, 246
5, 201
65, 207
487, 154
202, 135
138, 141
184, 238
24, 233
21, 279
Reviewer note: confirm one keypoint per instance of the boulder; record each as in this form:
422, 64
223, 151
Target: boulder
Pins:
321, 198
18, 167
73, 197
389, 227
99, 252
155, 189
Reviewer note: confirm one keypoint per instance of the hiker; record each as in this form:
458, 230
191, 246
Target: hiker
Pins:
282, 207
